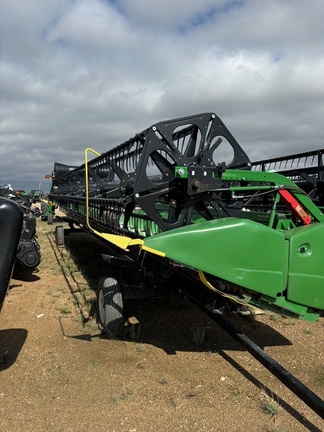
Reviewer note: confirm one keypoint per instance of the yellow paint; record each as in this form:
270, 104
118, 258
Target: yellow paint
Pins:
154, 251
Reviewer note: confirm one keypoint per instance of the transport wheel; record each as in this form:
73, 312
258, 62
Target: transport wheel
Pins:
59, 235
50, 218
44, 208
109, 306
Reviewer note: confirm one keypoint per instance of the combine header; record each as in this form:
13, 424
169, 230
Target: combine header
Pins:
182, 194
182, 201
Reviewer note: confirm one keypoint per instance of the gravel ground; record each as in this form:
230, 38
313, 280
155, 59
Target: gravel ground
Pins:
58, 373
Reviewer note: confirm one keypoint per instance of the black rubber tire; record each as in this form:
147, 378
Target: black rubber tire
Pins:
50, 218
59, 235
44, 208
109, 306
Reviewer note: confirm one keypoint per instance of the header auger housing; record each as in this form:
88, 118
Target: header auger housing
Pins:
182, 195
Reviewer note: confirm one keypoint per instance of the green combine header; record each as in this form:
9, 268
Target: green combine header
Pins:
182, 201
183, 193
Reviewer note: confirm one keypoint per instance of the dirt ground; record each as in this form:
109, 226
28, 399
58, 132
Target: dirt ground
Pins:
58, 373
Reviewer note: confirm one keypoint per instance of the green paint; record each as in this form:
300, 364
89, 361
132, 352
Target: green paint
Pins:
238, 250
284, 268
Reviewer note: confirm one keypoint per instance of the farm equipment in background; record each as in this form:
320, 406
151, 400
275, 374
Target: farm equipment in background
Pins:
36, 195
47, 211
182, 201
11, 219
28, 255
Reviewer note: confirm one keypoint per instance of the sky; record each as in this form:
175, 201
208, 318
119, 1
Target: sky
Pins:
93, 73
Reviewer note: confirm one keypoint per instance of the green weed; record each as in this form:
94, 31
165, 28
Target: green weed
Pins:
140, 348
56, 270
96, 362
125, 395
129, 392
198, 334
90, 326
65, 310
173, 404
289, 322
270, 407
237, 392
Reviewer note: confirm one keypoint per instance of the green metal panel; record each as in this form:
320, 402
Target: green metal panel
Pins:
275, 180
240, 251
306, 265
282, 306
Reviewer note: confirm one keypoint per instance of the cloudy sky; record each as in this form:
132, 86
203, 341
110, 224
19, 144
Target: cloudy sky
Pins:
92, 73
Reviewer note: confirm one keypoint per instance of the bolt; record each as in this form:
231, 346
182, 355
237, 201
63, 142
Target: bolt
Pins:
195, 185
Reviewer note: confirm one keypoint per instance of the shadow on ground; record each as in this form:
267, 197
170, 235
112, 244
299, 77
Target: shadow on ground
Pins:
176, 325
11, 343
172, 324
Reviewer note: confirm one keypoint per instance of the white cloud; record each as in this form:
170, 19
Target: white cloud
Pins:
79, 73
92, 28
